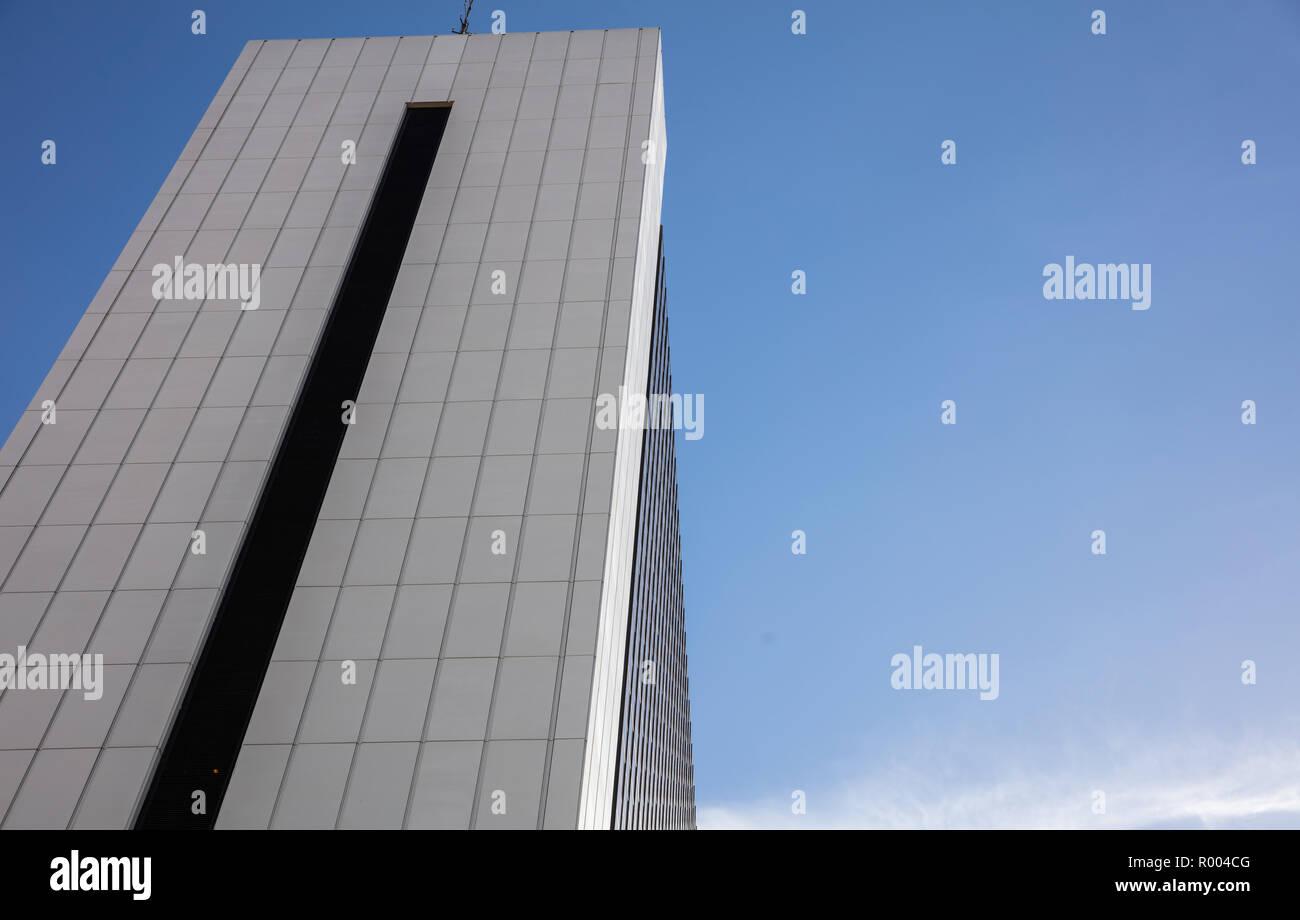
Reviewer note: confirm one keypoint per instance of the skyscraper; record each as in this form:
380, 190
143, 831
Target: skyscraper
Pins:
321, 474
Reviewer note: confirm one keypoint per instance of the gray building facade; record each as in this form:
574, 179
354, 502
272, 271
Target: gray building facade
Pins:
330, 495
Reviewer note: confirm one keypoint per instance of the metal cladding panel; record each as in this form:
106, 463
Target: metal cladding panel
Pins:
600, 766
656, 777
452, 652
436, 663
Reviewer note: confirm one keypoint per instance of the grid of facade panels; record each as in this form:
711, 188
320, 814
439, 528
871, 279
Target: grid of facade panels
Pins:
434, 666
168, 412
656, 776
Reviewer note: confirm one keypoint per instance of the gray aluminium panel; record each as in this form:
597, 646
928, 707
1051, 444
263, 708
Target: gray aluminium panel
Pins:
459, 558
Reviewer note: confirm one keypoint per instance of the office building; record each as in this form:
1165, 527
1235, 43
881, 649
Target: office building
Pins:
320, 472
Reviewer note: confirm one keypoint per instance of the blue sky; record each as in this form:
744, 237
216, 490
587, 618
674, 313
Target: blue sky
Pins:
821, 152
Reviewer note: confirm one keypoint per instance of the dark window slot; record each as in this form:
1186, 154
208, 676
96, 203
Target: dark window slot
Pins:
206, 736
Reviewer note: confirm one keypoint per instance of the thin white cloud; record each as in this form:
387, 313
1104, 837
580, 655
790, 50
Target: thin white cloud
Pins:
1251, 788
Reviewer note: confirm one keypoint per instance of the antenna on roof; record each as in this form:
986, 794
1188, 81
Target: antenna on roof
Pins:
464, 19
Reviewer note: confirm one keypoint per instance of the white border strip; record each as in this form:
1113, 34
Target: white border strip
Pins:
600, 757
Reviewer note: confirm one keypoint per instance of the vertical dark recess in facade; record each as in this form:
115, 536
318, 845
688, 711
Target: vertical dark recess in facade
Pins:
205, 738
655, 781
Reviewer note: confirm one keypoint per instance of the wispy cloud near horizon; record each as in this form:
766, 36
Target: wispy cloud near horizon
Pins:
1260, 788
